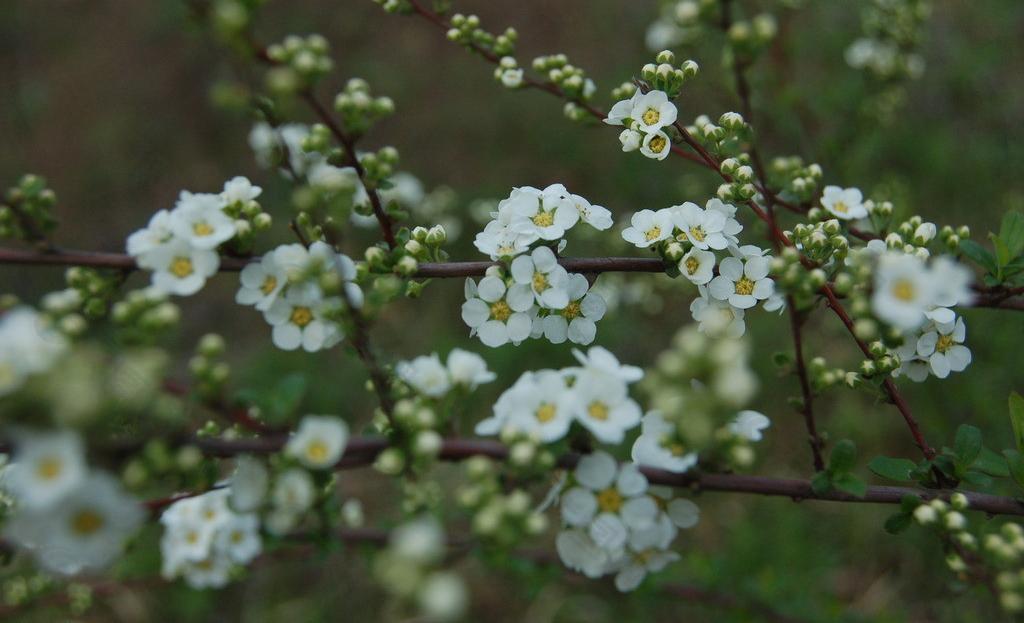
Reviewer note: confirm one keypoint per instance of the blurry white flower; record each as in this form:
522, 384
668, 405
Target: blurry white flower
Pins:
650, 448
648, 227
717, 318
45, 468
749, 424
844, 203
426, 374
261, 283
698, 266
293, 491
468, 369
608, 500
199, 219
248, 484
298, 320
903, 290
656, 145
319, 441
538, 404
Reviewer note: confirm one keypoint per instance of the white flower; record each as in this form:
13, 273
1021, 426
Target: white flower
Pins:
468, 369
180, 268
547, 213
512, 78
199, 219
298, 320
498, 316
749, 424
608, 501
599, 361
698, 266
732, 227
634, 567
656, 145
952, 287
501, 241
648, 227
239, 190
28, 345
580, 553
293, 491
538, 404
577, 320
540, 273
943, 348
426, 374
650, 448
420, 541
239, 538
323, 256
630, 140
911, 365
622, 109
213, 572
653, 111
248, 486
261, 283
742, 283
45, 468
319, 442
442, 596
85, 529
156, 234
903, 290
596, 216
844, 203
604, 407
705, 229
717, 318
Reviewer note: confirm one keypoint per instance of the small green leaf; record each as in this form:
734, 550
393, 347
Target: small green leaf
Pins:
1011, 233
977, 478
851, 484
843, 457
980, 255
898, 523
966, 445
893, 469
991, 463
1017, 418
1015, 461
821, 483
909, 502
1002, 251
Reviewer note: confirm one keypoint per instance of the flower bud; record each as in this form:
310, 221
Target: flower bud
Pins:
925, 514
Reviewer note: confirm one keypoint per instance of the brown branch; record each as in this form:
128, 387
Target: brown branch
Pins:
807, 405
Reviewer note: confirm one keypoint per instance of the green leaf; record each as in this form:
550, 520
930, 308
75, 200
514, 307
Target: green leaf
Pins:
1015, 461
843, 457
898, 523
977, 478
991, 463
1011, 233
851, 484
1017, 418
1002, 251
966, 445
980, 255
893, 469
821, 483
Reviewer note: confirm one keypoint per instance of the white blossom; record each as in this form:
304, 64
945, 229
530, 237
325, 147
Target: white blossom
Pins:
298, 320
426, 374
577, 321
541, 273
698, 266
742, 283
261, 283
703, 228
319, 441
648, 227
656, 145
497, 314
45, 468
652, 449
538, 404
199, 219
748, 425
844, 203
653, 111
468, 369
942, 347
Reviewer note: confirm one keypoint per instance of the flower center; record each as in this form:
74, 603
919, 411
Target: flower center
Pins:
543, 219
651, 116
598, 410
86, 522
572, 310
652, 233
677, 449
192, 537
202, 228
840, 207
181, 267
505, 249
316, 451
540, 282
49, 468
500, 311
545, 413
269, 283
691, 265
657, 144
697, 233
609, 500
945, 343
903, 289
237, 536
744, 286
301, 316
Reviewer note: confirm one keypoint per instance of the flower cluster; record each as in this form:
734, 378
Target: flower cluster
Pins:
204, 539
614, 522
180, 245
429, 377
68, 517
301, 292
28, 345
645, 117
689, 236
546, 403
534, 295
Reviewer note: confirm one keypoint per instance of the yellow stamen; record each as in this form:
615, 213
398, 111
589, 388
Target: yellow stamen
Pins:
49, 468
202, 228
540, 282
269, 283
657, 144
181, 267
598, 410
572, 310
86, 522
652, 233
697, 233
609, 500
904, 290
316, 451
301, 316
545, 413
840, 207
543, 219
691, 265
500, 311
744, 286
651, 116
945, 343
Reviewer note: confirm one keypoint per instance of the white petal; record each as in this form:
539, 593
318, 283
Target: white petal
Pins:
596, 471
578, 506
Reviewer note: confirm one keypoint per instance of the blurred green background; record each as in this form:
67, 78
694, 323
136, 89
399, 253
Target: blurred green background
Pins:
110, 100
